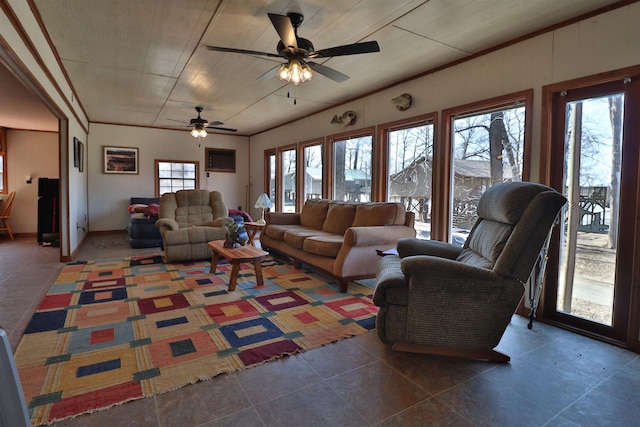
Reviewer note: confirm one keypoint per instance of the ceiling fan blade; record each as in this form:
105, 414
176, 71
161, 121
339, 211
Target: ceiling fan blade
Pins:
179, 121
216, 123
219, 128
348, 49
328, 72
270, 74
285, 30
241, 51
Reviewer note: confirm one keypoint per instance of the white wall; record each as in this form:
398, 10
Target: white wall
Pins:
21, 145
109, 194
603, 43
44, 73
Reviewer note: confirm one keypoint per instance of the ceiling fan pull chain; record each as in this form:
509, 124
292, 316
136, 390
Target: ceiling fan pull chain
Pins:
295, 101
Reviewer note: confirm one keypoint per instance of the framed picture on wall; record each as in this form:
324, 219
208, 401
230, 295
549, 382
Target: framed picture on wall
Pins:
76, 152
120, 160
220, 160
81, 156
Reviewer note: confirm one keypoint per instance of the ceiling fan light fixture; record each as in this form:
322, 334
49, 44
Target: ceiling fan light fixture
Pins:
198, 132
295, 72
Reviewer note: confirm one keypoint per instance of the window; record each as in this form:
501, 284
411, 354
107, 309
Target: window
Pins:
288, 158
3, 161
312, 170
409, 167
172, 176
270, 173
487, 146
351, 167
3, 175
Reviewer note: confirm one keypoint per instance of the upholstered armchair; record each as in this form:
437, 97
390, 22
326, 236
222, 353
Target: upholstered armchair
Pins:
188, 220
438, 298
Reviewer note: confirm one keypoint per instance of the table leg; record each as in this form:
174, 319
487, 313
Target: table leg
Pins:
258, 268
235, 269
214, 263
251, 233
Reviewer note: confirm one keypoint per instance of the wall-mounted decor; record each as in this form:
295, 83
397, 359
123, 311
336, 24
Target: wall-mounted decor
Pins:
348, 118
120, 160
220, 160
403, 102
76, 152
81, 156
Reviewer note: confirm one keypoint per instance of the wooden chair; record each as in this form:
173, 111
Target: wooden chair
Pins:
5, 213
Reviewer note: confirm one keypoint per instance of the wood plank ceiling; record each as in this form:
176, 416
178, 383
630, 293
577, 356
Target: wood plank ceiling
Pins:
145, 63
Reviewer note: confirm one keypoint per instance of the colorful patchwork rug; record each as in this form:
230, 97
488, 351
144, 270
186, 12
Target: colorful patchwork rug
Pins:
111, 331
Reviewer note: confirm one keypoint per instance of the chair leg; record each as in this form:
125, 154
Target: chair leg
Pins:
491, 355
6, 227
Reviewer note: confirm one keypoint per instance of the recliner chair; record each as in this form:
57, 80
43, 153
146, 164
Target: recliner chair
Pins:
188, 220
438, 298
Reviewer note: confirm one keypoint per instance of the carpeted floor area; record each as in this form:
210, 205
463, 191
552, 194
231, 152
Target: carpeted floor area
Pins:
115, 330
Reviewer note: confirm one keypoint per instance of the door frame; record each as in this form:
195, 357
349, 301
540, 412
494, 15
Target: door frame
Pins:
551, 175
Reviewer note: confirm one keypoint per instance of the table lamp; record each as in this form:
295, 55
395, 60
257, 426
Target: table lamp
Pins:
263, 202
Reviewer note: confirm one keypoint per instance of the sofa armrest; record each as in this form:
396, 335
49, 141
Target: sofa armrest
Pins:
282, 218
166, 224
432, 269
380, 235
219, 222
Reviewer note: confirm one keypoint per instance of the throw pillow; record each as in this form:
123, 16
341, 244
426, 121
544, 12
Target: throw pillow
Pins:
137, 208
152, 210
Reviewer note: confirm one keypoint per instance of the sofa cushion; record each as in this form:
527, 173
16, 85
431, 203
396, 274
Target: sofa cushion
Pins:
276, 231
339, 218
326, 245
313, 213
371, 214
296, 237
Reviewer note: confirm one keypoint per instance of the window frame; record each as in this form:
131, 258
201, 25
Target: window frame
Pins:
271, 152
329, 157
3, 160
279, 202
157, 172
443, 154
383, 130
302, 167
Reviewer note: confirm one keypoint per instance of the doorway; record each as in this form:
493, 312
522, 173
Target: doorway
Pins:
593, 159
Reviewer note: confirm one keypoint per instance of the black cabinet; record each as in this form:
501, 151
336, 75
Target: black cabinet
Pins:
48, 207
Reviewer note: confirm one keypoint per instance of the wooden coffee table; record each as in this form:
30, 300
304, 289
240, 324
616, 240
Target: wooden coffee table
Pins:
235, 257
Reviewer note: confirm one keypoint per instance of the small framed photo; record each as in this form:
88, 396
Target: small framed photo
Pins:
81, 152
76, 152
120, 160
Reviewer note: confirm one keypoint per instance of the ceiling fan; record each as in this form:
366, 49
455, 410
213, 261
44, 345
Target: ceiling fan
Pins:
200, 125
297, 51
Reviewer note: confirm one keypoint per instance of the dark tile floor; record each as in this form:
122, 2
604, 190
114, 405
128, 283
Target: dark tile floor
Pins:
555, 378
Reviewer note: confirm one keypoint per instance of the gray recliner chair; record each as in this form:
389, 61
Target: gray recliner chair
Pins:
188, 220
438, 298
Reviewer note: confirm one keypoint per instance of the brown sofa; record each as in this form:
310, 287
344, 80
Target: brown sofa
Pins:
339, 238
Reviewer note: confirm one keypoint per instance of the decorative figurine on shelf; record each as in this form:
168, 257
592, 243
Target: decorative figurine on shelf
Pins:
233, 239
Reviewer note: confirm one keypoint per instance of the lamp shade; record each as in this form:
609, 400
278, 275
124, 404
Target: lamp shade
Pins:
263, 202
